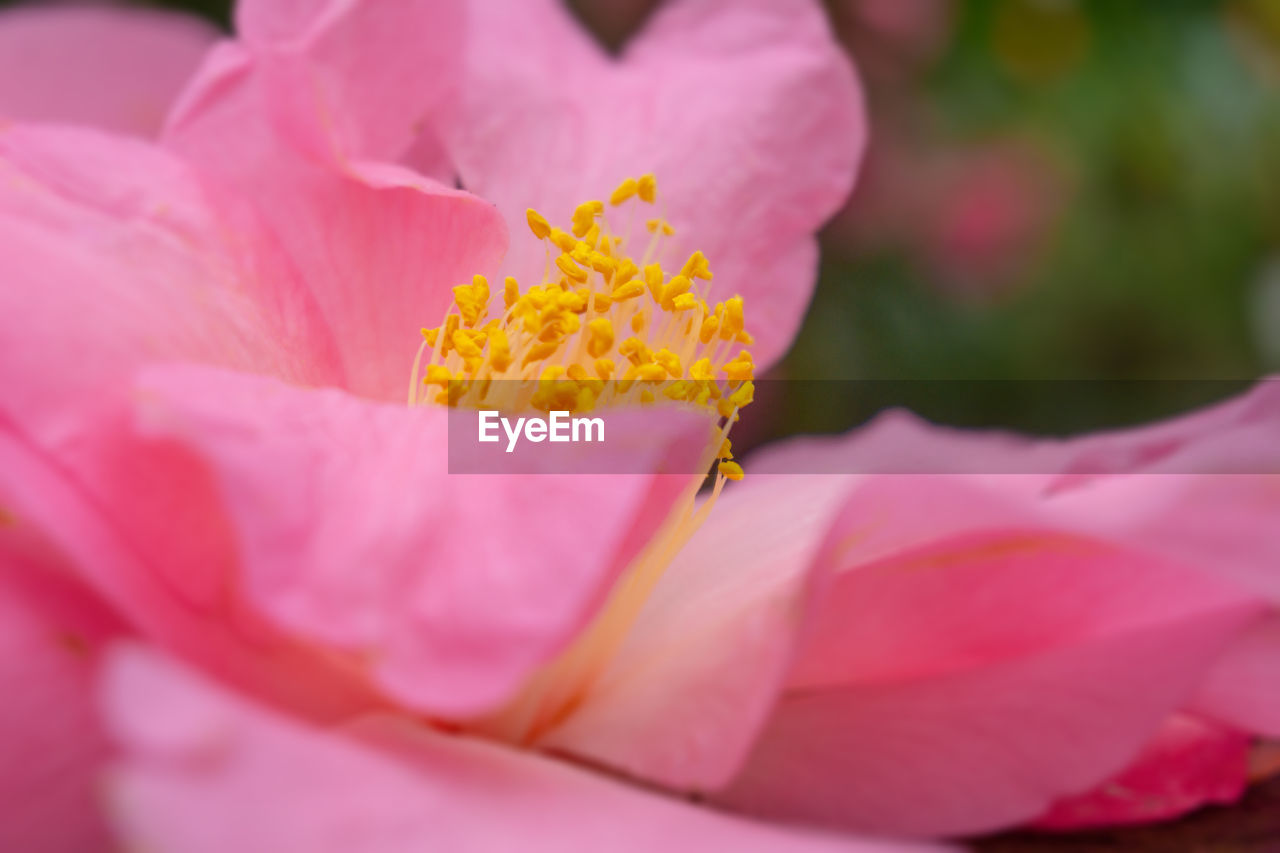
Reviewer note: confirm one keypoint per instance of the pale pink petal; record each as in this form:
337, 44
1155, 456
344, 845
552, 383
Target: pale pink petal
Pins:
746, 110
1243, 689
354, 78
700, 669
52, 745
963, 685
191, 606
378, 246
450, 588
114, 256
118, 68
1191, 763
201, 771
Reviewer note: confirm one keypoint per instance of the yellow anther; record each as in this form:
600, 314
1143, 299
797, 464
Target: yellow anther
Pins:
499, 350
726, 450
684, 302
625, 191
599, 336
702, 370
585, 216
538, 224
627, 270
697, 267
465, 345
743, 395
745, 338
635, 351
480, 285
656, 225
674, 288
670, 362
541, 351
630, 290
601, 302
741, 368
450, 326
646, 397
437, 374
708, 330
732, 322
639, 321
604, 368
570, 269
724, 407
510, 291
552, 373
578, 373
430, 336
678, 391
653, 278
651, 373
647, 188
581, 253
602, 264
564, 242
592, 237
731, 470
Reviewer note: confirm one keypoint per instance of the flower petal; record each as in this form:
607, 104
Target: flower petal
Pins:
354, 78
115, 255
201, 771
452, 588
51, 742
962, 685
378, 246
705, 660
117, 68
1243, 689
1191, 763
746, 110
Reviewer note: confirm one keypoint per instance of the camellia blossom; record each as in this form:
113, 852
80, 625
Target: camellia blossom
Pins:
252, 600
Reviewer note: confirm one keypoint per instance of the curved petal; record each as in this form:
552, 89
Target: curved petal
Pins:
1190, 763
118, 68
1243, 689
746, 110
201, 771
191, 606
378, 246
354, 79
452, 588
115, 255
963, 684
52, 745
687, 692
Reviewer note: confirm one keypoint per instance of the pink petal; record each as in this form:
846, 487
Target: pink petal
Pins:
746, 110
191, 606
354, 79
1190, 764
703, 664
963, 685
452, 588
202, 771
51, 743
115, 256
115, 68
1243, 689
378, 246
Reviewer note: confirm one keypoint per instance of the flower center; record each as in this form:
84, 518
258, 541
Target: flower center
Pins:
601, 329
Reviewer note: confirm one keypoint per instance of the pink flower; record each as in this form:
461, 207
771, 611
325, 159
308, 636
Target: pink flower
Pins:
307, 635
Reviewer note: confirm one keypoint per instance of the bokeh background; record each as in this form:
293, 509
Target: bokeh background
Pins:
1055, 190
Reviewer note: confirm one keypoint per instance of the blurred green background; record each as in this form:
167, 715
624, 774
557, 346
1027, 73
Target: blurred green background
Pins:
1055, 189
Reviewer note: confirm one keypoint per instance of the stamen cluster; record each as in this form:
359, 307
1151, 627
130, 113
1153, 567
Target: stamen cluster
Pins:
601, 330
